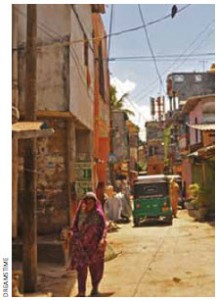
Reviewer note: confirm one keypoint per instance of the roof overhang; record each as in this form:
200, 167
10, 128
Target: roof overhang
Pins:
28, 130
205, 152
202, 127
193, 101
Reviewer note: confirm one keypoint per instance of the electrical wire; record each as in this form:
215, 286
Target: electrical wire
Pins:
46, 30
175, 63
181, 63
150, 47
158, 60
159, 56
66, 43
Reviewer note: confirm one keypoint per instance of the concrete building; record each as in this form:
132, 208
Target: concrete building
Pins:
155, 145
183, 85
197, 133
65, 102
102, 103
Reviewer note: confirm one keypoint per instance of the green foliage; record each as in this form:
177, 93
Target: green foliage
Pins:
118, 104
201, 197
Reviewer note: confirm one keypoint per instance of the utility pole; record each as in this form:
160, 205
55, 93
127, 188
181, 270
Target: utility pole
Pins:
29, 201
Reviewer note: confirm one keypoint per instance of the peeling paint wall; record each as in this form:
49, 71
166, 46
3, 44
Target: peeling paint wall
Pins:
52, 191
52, 199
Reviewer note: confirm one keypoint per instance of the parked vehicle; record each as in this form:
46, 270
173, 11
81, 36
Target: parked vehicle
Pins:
151, 199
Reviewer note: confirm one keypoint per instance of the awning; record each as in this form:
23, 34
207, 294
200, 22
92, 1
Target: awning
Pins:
204, 152
27, 130
202, 127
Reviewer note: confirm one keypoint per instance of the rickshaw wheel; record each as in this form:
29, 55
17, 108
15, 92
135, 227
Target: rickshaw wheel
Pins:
136, 222
169, 220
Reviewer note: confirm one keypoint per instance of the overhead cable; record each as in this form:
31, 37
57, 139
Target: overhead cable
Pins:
197, 38
61, 43
150, 47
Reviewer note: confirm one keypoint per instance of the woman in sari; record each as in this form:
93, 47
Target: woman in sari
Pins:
88, 243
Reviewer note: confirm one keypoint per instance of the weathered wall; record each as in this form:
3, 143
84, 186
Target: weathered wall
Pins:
61, 72
120, 135
62, 85
53, 204
52, 192
81, 91
193, 84
53, 24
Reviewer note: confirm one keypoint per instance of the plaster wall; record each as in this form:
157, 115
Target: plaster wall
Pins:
81, 94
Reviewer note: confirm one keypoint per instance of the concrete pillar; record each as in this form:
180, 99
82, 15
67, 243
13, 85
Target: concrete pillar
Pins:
71, 168
14, 187
15, 102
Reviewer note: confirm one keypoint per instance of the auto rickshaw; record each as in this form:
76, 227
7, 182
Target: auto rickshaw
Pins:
151, 199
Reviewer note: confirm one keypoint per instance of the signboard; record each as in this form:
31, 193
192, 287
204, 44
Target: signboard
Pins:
84, 178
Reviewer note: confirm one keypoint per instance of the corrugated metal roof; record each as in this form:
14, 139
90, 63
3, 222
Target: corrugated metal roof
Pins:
203, 127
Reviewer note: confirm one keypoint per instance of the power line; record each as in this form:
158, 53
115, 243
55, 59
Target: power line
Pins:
150, 47
46, 30
177, 60
61, 43
159, 56
158, 60
148, 24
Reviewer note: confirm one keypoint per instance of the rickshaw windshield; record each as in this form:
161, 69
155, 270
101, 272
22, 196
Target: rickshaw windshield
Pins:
151, 190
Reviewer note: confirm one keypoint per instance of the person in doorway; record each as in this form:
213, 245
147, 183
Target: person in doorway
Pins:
88, 243
126, 202
113, 204
174, 196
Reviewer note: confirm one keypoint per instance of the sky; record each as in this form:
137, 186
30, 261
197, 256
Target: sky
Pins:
186, 42
170, 36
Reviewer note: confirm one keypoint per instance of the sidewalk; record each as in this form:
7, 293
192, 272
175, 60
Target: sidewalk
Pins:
53, 280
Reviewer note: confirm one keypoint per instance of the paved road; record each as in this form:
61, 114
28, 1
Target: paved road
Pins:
161, 261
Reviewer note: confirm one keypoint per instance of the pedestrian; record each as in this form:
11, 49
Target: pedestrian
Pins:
113, 204
126, 202
88, 243
174, 196
100, 193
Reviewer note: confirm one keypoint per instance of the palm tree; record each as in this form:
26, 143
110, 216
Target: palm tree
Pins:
118, 104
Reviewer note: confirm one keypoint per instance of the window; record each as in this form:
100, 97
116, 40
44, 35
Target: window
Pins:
198, 78
179, 78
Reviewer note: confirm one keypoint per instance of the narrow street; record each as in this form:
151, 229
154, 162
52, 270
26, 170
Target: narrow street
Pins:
110, 121
161, 261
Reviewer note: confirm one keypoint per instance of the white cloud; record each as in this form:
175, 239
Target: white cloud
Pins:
142, 112
122, 87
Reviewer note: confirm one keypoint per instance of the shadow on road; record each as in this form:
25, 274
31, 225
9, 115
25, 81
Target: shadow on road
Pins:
106, 294
151, 223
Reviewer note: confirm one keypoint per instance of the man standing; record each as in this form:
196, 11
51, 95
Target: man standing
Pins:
174, 196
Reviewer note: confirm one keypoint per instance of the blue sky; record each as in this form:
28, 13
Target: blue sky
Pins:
190, 32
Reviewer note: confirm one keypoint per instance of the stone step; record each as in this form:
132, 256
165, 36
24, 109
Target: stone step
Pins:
48, 251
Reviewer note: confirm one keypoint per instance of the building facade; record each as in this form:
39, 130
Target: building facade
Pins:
65, 102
